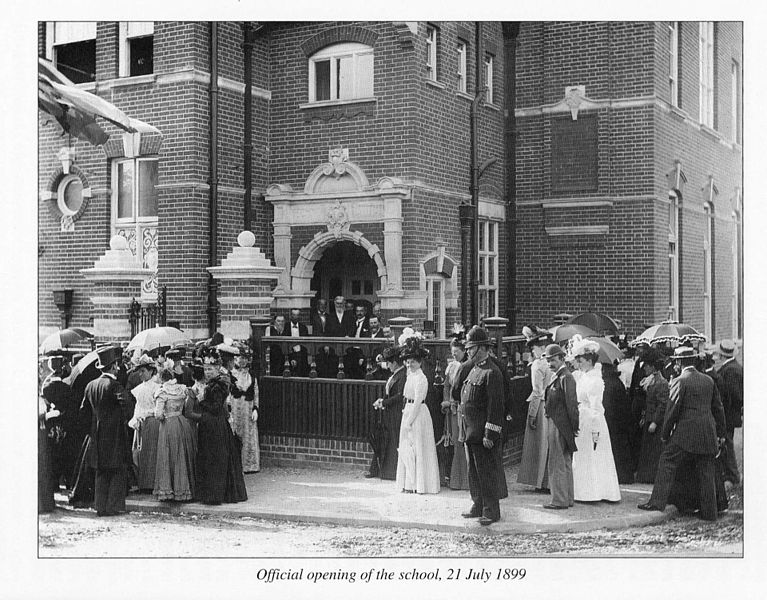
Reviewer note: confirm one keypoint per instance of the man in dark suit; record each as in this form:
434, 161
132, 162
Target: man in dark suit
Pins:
320, 319
299, 355
730, 385
480, 429
276, 355
340, 321
361, 322
693, 428
111, 452
561, 408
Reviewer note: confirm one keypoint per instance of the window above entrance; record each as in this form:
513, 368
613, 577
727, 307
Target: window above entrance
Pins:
341, 72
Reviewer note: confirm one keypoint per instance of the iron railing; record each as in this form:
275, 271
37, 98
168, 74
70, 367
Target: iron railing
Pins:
146, 316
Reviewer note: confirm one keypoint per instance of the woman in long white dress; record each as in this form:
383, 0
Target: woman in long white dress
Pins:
417, 467
594, 474
244, 399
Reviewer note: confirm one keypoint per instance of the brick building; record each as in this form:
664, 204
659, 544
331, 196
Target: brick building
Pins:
361, 155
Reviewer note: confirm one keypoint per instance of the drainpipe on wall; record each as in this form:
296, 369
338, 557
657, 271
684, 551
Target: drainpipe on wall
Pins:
248, 38
213, 180
479, 92
510, 37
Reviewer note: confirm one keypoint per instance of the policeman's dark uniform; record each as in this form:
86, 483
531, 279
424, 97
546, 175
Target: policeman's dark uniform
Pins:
482, 401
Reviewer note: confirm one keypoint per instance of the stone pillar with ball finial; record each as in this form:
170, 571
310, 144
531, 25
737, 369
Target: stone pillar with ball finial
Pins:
116, 279
246, 281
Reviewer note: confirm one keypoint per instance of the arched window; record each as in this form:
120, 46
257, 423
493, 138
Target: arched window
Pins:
673, 255
708, 271
341, 72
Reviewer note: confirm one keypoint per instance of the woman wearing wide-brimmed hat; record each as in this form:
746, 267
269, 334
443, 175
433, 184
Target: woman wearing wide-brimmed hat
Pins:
535, 447
391, 406
244, 402
594, 474
218, 474
417, 466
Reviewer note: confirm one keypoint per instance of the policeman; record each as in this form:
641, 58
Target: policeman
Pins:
481, 425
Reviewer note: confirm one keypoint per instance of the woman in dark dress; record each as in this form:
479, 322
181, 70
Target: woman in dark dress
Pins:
619, 422
656, 397
391, 406
218, 475
45, 501
83, 475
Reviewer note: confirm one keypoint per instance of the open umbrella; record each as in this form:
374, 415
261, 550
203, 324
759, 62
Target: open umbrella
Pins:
601, 323
81, 366
669, 331
63, 338
158, 337
563, 333
608, 350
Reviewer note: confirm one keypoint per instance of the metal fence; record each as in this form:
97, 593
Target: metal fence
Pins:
146, 316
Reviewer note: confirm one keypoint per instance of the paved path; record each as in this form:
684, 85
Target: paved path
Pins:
345, 497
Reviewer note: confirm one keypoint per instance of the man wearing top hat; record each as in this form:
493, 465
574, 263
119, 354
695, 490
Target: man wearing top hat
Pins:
692, 430
111, 452
561, 406
730, 385
480, 429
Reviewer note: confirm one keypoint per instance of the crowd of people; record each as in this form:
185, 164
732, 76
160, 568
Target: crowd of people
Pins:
148, 422
188, 430
662, 417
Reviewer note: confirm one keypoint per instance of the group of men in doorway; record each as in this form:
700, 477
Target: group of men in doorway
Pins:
346, 319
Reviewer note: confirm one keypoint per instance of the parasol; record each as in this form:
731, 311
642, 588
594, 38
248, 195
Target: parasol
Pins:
563, 333
608, 350
158, 337
669, 331
601, 323
81, 366
63, 338
377, 440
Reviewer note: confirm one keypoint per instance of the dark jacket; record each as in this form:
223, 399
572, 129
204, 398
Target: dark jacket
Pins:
111, 412
364, 330
320, 329
343, 328
656, 400
394, 399
730, 385
302, 329
694, 416
482, 402
562, 406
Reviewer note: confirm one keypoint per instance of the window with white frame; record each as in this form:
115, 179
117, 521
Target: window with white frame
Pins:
673, 256
488, 268
461, 51
708, 270
490, 96
706, 48
341, 72
136, 48
673, 62
435, 303
431, 52
737, 133
71, 46
134, 211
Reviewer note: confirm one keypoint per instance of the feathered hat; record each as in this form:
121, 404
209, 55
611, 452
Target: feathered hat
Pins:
535, 336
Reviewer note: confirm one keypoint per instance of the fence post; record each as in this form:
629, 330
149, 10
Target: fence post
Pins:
257, 327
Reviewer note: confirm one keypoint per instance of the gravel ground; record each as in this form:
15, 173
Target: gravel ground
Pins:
79, 533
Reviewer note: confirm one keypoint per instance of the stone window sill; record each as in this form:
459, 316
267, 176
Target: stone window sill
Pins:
436, 84
332, 103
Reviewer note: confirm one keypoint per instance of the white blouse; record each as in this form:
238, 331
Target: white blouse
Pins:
416, 388
144, 394
590, 388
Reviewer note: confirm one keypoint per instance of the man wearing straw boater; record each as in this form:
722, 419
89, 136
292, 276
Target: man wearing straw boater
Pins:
111, 455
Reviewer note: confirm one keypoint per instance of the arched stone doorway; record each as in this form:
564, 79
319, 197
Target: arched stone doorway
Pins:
346, 269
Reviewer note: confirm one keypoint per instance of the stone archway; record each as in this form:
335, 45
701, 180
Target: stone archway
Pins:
303, 271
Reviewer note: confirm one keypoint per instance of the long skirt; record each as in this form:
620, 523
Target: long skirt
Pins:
176, 453
459, 467
247, 430
417, 467
535, 452
45, 482
594, 475
145, 452
218, 474
649, 455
